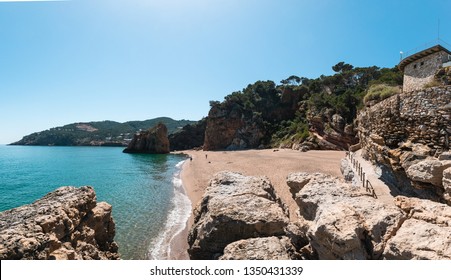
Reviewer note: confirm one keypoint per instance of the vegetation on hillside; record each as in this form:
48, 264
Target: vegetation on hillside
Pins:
101, 133
283, 110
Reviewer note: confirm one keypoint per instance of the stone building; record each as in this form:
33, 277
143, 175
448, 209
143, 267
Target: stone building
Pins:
419, 68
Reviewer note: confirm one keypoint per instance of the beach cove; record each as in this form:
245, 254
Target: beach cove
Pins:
275, 164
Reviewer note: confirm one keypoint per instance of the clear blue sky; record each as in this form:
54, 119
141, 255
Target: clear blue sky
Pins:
92, 60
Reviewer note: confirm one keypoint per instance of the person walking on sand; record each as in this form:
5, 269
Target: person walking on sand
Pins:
206, 156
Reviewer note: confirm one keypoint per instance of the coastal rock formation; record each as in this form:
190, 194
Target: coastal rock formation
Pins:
264, 248
152, 141
425, 235
342, 221
66, 224
231, 130
405, 135
191, 136
235, 207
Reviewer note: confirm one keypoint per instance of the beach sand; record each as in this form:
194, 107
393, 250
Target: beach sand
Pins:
275, 164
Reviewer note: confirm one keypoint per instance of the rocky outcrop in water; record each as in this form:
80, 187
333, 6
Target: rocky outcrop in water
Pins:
152, 141
67, 224
235, 207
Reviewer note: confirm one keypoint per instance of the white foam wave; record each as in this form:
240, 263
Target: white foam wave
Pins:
179, 214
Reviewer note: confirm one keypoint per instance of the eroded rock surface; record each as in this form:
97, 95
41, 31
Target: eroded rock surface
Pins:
235, 207
425, 235
152, 141
64, 224
342, 221
264, 248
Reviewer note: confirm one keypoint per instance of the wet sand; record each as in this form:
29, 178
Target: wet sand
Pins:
274, 164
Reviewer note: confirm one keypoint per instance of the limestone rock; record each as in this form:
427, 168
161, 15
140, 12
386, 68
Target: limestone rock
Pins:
343, 221
428, 171
264, 248
425, 235
447, 185
152, 141
346, 170
64, 224
235, 207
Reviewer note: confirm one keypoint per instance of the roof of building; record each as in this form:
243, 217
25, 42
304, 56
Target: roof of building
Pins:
421, 54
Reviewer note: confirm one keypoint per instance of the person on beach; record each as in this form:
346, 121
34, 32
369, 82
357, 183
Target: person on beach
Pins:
206, 156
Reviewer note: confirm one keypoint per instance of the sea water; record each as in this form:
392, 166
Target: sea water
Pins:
149, 203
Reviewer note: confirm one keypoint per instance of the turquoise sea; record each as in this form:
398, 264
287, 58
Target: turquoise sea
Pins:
149, 204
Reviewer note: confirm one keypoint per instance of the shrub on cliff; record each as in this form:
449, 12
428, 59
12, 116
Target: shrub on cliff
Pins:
380, 92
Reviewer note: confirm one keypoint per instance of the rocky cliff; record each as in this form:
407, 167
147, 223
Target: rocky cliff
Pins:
408, 136
191, 136
67, 224
152, 141
241, 217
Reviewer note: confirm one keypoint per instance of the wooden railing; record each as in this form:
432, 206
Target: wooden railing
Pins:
366, 184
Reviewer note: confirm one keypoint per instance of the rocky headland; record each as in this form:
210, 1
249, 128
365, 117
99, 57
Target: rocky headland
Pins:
67, 224
152, 141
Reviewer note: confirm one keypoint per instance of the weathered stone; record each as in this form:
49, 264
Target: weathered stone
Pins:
55, 226
346, 170
445, 156
447, 185
343, 221
264, 248
153, 141
428, 171
235, 207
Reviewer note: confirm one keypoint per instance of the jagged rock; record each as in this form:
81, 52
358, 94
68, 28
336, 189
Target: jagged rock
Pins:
428, 171
447, 185
445, 156
346, 170
64, 224
343, 221
425, 235
264, 248
152, 141
235, 207
189, 137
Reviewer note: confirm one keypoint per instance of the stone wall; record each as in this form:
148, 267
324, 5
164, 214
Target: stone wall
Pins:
405, 129
421, 72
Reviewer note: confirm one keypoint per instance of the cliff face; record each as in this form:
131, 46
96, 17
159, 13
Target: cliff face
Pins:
231, 130
66, 224
152, 141
406, 135
191, 136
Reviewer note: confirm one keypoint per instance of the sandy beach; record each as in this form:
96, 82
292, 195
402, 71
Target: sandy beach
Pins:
274, 164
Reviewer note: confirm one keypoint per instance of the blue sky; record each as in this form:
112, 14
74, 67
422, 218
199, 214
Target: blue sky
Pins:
92, 60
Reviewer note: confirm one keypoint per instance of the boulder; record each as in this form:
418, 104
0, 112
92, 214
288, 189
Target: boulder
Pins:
152, 141
425, 235
65, 224
343, 221
428, 171
235, 207
264, 248
447, 185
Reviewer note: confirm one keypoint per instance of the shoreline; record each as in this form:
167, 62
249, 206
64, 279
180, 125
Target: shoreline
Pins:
274, 164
